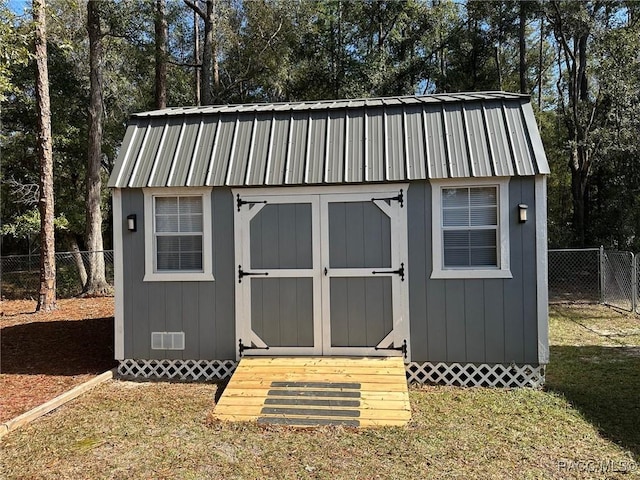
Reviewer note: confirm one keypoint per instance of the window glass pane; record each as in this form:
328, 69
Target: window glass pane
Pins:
455, 197
484, 257
481, 216
166, 223
456, 217
166, 205
179, 252
190, 205
191, 223
480, 196
482, 238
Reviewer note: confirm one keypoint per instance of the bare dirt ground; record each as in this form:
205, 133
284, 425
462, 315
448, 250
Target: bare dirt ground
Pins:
45, 354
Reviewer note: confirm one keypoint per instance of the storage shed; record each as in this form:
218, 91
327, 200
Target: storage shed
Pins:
405, 226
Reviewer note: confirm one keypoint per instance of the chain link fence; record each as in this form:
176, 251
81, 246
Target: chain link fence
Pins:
595, 275
20, 274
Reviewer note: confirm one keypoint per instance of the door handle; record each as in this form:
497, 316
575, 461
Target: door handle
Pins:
399, 271
242, 273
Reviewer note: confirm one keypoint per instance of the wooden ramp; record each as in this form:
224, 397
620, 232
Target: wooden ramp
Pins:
311, 391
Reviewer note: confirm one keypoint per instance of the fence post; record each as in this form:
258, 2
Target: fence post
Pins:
601, 273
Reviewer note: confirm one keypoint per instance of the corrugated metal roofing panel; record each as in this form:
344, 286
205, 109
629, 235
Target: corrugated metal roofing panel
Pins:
162, 163
498, 141
241, 143
202, 154
130, 146
477, 141
354, 152
436, 150
316, 147
279, 145
415, 143
297, 154
533, 135
334, 162
394, 143
221, 151
519, 143
184, 152
354, 141
374, 168
147, 153
259, 153
456, 141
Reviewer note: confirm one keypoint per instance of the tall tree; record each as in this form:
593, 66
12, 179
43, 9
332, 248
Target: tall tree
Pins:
160, 23
96, 278
47, 293
210, 70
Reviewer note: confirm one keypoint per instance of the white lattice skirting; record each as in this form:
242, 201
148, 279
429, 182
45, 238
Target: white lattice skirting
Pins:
476, 375
459, 374
177, 369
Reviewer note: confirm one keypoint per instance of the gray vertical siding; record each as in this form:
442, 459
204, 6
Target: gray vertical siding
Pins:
204, 311
473, 320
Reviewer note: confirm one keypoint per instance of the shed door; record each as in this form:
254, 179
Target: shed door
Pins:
279, 275
364, 280
321, 274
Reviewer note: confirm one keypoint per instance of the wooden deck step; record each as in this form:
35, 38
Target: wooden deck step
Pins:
313, 391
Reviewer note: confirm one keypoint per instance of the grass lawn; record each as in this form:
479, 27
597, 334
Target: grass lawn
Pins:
585, 424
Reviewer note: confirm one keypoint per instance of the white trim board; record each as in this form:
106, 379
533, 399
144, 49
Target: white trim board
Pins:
319, 198
542, 286
118, 274
439, 271
151, 275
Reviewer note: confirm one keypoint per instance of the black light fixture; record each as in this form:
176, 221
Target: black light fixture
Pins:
522, 212
131, 222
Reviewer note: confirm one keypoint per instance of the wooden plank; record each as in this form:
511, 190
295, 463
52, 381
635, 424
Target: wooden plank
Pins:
248, 401
363, 422
58, 401
337, 370
326, 377
343, 361
248, 383
365, 396
322, 389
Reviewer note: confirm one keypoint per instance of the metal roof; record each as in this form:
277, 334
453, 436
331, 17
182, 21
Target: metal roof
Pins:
329, 142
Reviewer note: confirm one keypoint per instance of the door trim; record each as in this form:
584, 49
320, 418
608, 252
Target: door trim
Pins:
319, 197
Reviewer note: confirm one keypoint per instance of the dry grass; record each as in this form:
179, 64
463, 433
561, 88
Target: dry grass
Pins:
162, 430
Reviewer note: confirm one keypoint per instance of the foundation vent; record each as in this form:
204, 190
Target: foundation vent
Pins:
167, 340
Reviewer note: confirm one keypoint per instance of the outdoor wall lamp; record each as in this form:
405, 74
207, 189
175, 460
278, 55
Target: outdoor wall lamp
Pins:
131, 222
522, 212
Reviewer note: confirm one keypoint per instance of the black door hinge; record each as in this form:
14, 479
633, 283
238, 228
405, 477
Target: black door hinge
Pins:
398, 198
242, 347
402, 348
399, 271
242, 273
241, 202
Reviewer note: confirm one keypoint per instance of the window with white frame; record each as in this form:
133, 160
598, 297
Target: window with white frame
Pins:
470, 229
178, 226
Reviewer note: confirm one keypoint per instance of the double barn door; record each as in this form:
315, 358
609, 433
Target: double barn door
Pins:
322, 273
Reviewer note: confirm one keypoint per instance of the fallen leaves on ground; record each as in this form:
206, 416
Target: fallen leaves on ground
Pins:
44, 354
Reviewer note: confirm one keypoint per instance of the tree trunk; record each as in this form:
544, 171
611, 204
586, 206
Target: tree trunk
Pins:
523, 47
161, 54
96, 279
196, 56
206, 94
77, 258
47, 293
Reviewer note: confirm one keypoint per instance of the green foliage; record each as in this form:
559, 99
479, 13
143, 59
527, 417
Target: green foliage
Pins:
28, 224
292, 50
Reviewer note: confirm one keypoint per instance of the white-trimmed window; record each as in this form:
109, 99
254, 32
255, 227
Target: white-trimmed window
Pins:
178, 234
470, 228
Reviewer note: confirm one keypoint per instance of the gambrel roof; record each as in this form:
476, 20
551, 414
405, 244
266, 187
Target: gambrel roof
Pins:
455, 135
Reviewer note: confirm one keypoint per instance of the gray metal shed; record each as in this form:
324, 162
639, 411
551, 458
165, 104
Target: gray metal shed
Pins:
411, 226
